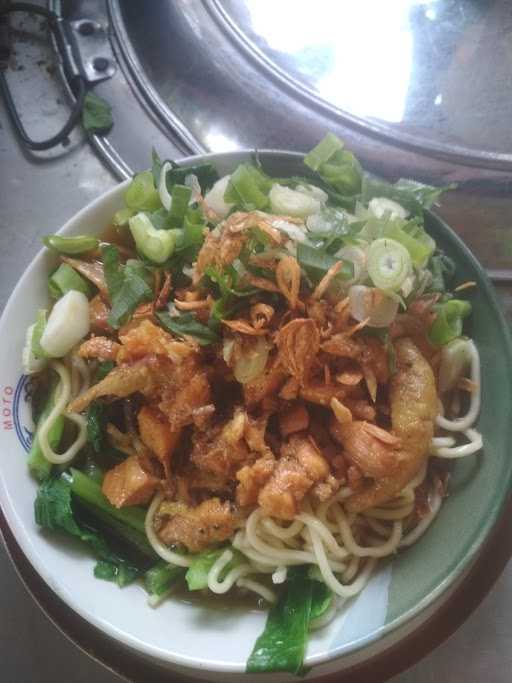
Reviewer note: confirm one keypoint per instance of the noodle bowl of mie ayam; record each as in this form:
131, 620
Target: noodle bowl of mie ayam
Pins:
254, 386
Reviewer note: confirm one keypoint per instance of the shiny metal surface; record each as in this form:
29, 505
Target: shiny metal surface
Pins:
225, 101
398, 70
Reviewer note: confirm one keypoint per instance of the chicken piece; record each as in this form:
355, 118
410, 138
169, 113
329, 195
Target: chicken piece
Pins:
414, 406
128, 484
199, 527
342, 346
222, 451
181, 402
361, 409
287, 486
293, 419
267, 384
251, 479
156, 433
99, 347
121, 382
223, 245
373, 450
298, 343
120, 440
325, 490
300, 467
374, 356
350, 376
322, 394
290, 389
98, 316
147, 338
355, 478
142, 312
201, 417
319, 432
254, 434
308, 455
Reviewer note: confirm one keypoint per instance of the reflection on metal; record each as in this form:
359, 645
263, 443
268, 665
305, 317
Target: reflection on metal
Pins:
373, 65
111, 156
144, 85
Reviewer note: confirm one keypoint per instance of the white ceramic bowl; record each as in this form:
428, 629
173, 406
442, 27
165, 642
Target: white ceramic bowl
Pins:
200, 640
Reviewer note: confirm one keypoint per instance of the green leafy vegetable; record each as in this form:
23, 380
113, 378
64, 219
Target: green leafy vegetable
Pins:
96, 114
122, 216
89, 492
197, 574
413, 196
316, 263
71, 245
142, 194
112, 269
134, 539
38, 465
103, 369
134, 292
389, 264
325, 150
282, 644
96, 426
65, 279
206, 174
156, 166
223, 284
448, 321
187, 325
127, 287
248, 188
156, 245
161, 577
331, 229
321, 600
180, 198
37, 333
93, 470
443, 269
160, 219
192, 234
337, 167
119, 572
54, 512
409, 233
426, 195
227, 282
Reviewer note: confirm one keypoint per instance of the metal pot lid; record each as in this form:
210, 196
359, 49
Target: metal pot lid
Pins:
420, 74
